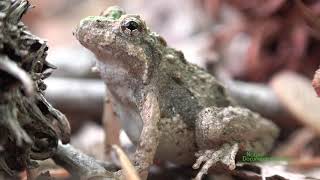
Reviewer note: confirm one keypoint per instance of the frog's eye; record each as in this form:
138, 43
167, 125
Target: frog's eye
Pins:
131, 26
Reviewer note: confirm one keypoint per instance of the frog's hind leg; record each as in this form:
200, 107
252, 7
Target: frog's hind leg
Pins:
226, 155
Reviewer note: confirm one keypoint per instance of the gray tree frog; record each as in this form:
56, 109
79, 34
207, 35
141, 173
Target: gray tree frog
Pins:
171, 109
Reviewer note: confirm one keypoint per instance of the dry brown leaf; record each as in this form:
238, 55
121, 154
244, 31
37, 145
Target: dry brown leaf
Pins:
297, 94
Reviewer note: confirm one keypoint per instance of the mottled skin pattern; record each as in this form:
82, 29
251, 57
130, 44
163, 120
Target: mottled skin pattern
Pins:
168, 107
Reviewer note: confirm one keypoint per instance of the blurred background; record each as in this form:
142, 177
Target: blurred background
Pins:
266, 53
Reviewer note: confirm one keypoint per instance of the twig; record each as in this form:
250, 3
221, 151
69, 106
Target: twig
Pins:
76, 95
127, 167
257, 97
72, 62
86, 96
79, 164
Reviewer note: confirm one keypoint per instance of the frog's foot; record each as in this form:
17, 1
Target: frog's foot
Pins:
118, 174
101, 175
134, 174
226, 155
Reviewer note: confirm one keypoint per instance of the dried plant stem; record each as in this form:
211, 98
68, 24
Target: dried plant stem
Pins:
79, 164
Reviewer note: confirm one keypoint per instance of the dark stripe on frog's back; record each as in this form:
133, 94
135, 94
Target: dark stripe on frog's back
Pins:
180, 81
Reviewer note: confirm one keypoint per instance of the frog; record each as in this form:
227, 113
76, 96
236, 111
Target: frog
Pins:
171, 110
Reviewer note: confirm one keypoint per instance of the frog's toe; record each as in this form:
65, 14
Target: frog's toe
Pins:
229, 156
203, 156
226, 155
118, 174
136, 173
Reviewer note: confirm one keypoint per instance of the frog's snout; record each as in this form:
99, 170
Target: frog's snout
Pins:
82, 31
90, 30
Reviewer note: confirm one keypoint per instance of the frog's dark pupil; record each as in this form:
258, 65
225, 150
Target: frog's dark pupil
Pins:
132, 25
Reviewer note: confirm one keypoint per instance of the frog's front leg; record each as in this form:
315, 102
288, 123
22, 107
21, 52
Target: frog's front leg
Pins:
150, 135
222, 132
226, 155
